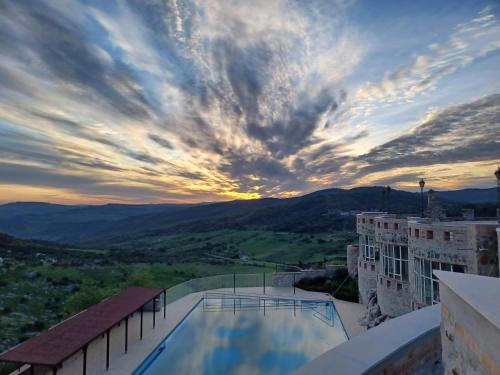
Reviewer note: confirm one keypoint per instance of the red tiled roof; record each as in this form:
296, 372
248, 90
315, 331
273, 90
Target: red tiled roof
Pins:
52, 347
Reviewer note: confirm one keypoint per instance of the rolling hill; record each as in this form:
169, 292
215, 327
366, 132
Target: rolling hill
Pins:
319, 211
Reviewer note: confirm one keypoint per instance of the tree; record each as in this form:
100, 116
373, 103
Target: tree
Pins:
84, 298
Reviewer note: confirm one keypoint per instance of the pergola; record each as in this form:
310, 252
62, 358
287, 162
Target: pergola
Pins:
51, 348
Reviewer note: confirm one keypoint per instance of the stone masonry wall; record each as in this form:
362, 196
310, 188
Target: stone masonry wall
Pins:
367, 279
352, 260
394, 297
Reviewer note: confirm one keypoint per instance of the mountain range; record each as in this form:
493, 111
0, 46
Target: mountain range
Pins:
323, 210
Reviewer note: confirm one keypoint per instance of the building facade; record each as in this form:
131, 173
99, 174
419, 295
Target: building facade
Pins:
368, 254
393, 286
456, 246
398, 254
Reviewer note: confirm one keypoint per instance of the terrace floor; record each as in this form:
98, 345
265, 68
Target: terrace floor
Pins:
349, 313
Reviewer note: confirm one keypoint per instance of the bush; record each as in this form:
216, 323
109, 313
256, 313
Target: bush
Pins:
348, 291
86, 297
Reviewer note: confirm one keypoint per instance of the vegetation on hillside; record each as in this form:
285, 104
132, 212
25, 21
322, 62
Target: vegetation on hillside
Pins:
341, 285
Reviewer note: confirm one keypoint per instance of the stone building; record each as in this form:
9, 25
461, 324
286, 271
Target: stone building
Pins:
393, 286
368, 254
398, 254
456, 246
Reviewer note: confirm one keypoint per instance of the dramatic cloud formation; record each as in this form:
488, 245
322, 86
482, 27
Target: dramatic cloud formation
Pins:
211, 100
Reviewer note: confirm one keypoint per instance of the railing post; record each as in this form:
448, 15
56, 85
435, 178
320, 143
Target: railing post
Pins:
126, 334
107, 349
234, 282
294, 283
264, 281
165, 304
84, 360
142, 316
154, 312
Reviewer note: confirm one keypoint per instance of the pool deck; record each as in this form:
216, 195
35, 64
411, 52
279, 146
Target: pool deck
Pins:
349, 313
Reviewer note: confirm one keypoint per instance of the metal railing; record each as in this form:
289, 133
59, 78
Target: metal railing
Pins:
232, 282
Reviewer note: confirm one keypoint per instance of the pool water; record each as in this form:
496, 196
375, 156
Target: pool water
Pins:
246, 335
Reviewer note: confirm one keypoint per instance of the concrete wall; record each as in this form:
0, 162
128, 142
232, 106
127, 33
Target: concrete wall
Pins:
352, 260
393, 297
367, 279
471, 343
96, 352
284, 279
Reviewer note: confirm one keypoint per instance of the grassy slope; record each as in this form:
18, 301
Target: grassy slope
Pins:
261, 245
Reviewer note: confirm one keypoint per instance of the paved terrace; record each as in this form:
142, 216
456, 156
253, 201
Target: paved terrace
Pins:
126, 363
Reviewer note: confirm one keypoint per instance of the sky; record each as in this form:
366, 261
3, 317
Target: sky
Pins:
202, 100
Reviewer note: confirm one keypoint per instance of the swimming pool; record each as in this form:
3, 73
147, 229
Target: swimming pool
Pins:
244, 335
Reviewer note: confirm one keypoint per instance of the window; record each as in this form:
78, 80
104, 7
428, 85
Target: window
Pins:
430, 235
386, 225
363, 220
371, 221
395, 261
388, 284
426, 284
447, 236
368, 247
378, 224
373, 267
417, 233
399, 286
396, 226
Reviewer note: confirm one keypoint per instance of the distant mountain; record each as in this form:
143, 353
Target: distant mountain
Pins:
469, 195
70, 224
323, 210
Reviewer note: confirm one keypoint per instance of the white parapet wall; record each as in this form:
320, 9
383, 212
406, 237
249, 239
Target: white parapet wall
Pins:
470, 327
409, 344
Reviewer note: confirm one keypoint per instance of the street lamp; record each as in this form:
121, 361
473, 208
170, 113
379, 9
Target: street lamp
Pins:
388, 189
421, 184
497, 175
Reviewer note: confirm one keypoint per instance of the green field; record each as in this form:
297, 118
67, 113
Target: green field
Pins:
257, 245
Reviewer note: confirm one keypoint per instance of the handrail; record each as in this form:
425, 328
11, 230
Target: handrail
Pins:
340, 286
231, 281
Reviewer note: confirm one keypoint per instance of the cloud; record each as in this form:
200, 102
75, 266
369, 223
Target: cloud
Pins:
468, 42
210, 100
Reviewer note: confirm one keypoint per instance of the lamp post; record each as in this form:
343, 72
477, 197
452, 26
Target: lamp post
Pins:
421, 184
388, 189
497, 175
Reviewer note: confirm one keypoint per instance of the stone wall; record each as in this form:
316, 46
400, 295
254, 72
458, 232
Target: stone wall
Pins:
367, 279
284, 279
352, 260
394, 297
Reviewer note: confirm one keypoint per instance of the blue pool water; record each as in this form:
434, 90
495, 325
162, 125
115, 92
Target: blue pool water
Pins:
245, 335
